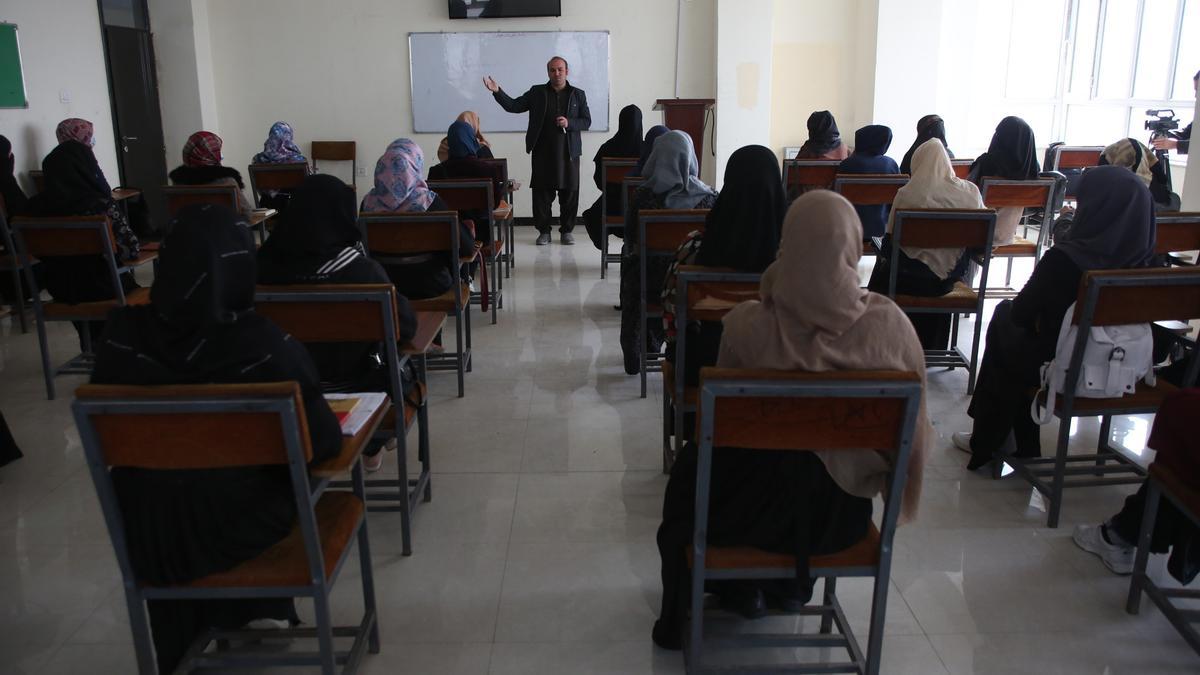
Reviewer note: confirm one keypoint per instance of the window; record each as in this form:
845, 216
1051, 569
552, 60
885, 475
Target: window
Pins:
1117, 59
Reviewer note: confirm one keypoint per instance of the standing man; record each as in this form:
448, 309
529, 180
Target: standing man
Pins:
557, 113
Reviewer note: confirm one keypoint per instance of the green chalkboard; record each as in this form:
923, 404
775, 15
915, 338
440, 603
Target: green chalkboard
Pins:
12, 78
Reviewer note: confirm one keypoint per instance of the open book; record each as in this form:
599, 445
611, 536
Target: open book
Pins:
353, 410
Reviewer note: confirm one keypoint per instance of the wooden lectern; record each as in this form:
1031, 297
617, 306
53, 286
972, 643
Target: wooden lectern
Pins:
687, 115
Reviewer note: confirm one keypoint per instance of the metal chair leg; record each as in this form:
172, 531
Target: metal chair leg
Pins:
1145, 535
830, 594
1060, 467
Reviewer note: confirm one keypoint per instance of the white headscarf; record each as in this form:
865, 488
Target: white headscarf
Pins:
934, 186
672, 170
814, 317
1125, 153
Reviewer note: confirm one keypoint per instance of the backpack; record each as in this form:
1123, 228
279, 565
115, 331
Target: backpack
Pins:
1114, 359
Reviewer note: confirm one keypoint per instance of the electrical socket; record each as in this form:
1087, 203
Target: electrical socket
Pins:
64, 96
362, 172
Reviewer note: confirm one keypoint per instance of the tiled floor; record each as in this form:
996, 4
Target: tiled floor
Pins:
537, 553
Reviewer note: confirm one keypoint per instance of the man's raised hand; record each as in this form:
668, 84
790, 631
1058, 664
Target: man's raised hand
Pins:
491, 84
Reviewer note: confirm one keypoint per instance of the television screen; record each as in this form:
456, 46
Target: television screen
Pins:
500, 9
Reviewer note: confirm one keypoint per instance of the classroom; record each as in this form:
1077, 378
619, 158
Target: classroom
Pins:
485, 337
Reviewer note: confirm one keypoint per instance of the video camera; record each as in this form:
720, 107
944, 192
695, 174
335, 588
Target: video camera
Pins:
1162, 122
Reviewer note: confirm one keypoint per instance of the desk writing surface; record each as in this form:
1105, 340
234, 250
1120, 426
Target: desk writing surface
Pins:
428, 325
119, 194
352, 447
260, 215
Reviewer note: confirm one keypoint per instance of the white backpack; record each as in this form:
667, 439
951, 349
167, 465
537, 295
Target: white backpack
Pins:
1114, 359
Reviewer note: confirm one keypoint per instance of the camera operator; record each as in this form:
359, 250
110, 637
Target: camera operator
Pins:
1178, 142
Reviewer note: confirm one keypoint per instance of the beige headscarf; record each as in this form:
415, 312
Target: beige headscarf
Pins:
1123, 153
934, 186
814, 317
470, 117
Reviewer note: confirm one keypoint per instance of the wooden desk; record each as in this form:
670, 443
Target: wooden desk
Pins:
502, 213
428, 326
352, 447
121, 194
258, 218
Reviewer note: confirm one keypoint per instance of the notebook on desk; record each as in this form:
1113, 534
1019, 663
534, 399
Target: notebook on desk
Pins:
355, 409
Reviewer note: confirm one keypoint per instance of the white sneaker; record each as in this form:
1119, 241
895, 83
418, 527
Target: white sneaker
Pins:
962, 440
373, 464
1118, 559
268, 624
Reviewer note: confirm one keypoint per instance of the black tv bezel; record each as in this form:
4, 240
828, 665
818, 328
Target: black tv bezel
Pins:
506, 16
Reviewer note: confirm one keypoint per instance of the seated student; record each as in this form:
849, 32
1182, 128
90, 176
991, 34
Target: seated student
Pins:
672, 182
202, 166
279, 148
652, 135
870, 144
1115, 540
929, 126
464, 163
9, 452
1011, 156
1114, 229
741, 232
824, 140
1133, 155
399, 187
318, 242
929, 272
75, 186
201, 328
485, 148
625, 144
15, 200
813, 317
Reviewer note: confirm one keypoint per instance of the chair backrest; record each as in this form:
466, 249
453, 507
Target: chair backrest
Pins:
209, 425
944, 228
1177, 231
1074, 157
501, 162
661, 231
794, 411
1035, 193
334, 151
629, 185
809, 173
284, 176
6, 238
409, 233
465, 194
708, 293
1146, 295
869, 189
962, 167
179, 196
324, 313
39, 180
613, 170
65, 235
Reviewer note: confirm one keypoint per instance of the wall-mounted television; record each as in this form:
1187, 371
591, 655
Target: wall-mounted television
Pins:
503, 9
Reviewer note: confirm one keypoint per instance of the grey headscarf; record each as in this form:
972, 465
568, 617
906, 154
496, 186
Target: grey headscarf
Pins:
672, 170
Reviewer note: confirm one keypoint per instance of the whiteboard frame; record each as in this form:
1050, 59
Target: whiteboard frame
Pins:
412, 98
21, 67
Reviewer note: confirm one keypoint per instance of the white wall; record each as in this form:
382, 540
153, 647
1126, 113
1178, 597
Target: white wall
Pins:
184, 64
339, 70
819, 63
743, 76
61, 51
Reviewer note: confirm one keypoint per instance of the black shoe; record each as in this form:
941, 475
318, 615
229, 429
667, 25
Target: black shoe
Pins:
667, 635
978, 461
744, 599
543, 239
567, 239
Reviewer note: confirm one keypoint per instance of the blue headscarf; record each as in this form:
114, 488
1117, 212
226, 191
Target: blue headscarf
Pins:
279, 148
460, 137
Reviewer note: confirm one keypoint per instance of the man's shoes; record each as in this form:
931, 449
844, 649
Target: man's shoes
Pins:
567, 239
1116, 558
543, 239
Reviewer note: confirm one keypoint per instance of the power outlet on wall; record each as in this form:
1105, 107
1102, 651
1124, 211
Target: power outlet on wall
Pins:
64, 96
362, 172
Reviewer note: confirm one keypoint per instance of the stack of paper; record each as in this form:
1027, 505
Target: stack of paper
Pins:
353, 410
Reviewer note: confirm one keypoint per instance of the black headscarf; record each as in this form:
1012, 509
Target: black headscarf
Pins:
823, 134
322, 225
1011, 154
1114, 225
929, 126
14, 196
872, 140
75, 185
627, 142
742, 229
648, 146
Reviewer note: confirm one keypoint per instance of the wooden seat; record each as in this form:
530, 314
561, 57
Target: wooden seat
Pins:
765, 410
1110, 298
701, 294
614, 171
473, 194
660, 233
865, 553
47, 238
362, 313
1177, 232
221, 426
281, 177
968, 229
1019, 248
387, 236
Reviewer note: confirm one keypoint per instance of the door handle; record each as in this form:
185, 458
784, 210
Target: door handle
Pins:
129, 138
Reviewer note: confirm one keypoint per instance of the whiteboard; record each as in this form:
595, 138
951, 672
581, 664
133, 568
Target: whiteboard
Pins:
447, 71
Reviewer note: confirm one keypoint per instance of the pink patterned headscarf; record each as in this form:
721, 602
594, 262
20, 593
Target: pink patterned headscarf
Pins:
398, 182
203, 148
75, 129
